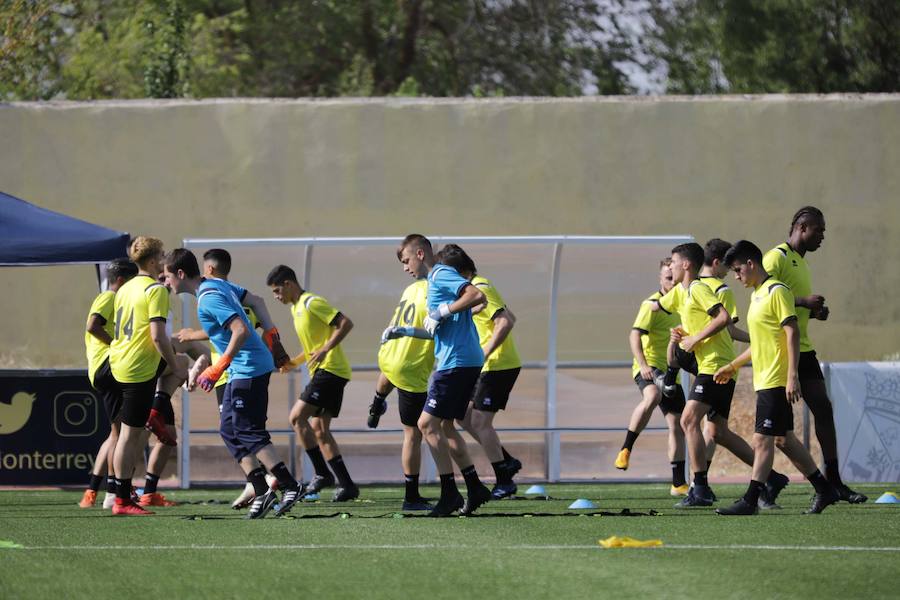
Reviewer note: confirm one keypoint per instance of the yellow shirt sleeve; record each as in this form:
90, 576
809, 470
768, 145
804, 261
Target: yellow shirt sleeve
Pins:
726, 295
320, 308
157, 302
671, 301
773, 261
644, 317
704, 297
495, 302
783, 304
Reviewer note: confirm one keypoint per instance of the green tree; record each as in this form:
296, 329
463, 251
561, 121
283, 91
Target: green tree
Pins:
778, 46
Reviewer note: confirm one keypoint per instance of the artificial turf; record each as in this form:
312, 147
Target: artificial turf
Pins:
363, 549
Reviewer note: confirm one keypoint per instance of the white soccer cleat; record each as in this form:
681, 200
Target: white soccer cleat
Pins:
109, 500
246, 497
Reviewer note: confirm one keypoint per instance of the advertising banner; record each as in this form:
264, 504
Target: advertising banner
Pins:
51, 426
866, 399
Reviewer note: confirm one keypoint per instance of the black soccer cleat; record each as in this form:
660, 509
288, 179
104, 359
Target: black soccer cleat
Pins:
476, 499
376, 409
513, 465
319, 482
741, 507
773, 487
845, 494
419, 504
345, 494
261, 505
821, 501
447, 506
504, 490
289, 498
699, 495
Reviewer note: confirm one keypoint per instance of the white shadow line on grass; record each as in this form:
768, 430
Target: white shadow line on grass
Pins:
217, 547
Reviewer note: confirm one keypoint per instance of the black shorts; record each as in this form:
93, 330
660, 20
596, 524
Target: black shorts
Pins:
449, 392
674, 405
493, 388
410, 405
686, 361
326, 391
715, 395
809, 368
137, 399
773, 412
109, 390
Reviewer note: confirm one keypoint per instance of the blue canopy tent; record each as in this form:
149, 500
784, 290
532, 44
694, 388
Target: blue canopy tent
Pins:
33, 236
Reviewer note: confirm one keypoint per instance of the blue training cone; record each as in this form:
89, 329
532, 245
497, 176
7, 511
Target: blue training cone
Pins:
582, 503
536, 490
310, 497
888, 498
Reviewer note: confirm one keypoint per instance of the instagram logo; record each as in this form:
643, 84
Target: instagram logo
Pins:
75, 414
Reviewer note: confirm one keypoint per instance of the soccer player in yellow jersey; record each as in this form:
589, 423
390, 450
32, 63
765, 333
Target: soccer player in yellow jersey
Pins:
139, 353
704, 322
787, 262
97, 337
406, 363
716, 430
493, 321
648, 340
775, 350
320, 328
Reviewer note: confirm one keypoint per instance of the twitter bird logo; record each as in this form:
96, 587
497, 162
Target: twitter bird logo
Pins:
14, 415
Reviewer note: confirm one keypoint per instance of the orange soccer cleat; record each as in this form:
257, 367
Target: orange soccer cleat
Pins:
87, 501
128, 508
155, 499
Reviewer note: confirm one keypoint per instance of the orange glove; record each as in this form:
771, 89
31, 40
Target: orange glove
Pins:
270, 336
273, 341
208, 378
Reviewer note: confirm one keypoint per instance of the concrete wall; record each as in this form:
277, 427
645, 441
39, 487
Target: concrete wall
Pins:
728, 167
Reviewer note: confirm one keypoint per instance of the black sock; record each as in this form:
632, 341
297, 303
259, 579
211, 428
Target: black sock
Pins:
111, 484
471, 477
263, 467
412, 487
150, 482
700, 478
671, 376
506, 455
708, 465
772, 475
123, 489
340, 471
96, 480
286, 481
751, 497
501, 472
832, 473
448, 486
819, 482
678, 473
257, 479
318, 461
630, 439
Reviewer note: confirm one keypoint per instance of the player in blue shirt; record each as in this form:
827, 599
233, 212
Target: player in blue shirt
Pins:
458, 362
249, 364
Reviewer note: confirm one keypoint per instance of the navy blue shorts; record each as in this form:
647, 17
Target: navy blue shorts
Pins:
242, 423
449, 392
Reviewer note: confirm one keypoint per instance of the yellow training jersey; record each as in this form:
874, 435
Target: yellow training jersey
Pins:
771, 306
724, 294
654, 327
103, 306
694, 305
788, 267
132, 356
407, 362
312, 322
214, 354
505, 356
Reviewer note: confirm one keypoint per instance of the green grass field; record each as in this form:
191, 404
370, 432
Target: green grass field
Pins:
511, 550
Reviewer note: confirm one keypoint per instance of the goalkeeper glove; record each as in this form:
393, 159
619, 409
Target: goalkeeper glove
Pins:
435, 317
208, 378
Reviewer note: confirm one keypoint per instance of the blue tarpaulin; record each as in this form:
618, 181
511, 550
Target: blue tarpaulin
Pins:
30, 235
